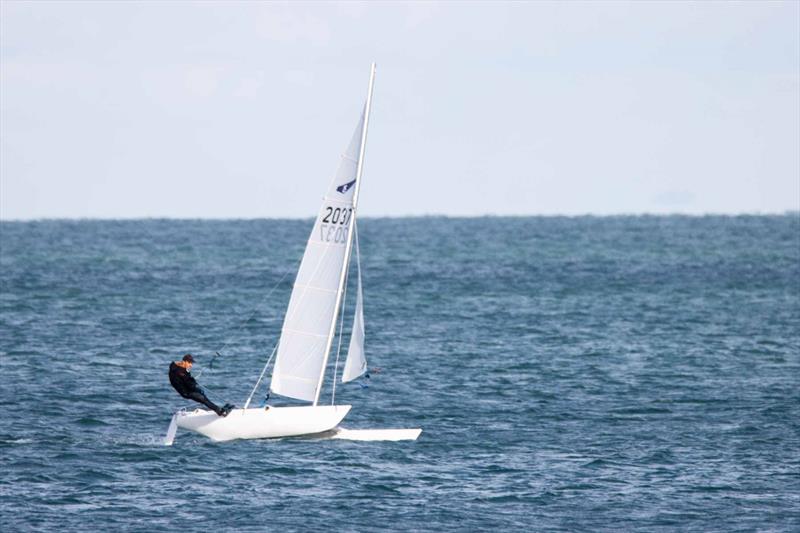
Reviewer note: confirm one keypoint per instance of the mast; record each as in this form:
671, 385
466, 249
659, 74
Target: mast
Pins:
349, 244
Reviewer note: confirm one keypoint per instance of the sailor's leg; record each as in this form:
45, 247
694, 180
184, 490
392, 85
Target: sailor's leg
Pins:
201, 398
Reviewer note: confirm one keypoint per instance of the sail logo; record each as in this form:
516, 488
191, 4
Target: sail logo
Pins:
346, 187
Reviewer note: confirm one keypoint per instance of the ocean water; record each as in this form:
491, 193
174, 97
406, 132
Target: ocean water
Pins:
569, 374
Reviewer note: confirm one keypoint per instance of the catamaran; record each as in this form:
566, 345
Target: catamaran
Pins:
309, 326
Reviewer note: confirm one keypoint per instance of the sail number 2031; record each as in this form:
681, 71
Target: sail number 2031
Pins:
339, 215
333, 227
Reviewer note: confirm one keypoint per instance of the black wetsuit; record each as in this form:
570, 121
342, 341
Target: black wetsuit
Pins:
184, 383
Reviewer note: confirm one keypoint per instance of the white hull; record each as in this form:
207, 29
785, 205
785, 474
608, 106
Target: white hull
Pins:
262, 423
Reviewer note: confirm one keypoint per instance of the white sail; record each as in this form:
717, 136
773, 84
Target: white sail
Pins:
356, 363
304, 341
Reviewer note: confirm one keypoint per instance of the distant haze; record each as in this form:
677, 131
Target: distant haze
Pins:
240, 110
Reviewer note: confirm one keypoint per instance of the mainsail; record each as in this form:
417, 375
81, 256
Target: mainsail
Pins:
304, 341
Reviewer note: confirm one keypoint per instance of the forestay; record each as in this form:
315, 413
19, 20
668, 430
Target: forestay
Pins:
303, 345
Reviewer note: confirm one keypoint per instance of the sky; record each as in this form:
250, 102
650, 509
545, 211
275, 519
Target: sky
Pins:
241, 110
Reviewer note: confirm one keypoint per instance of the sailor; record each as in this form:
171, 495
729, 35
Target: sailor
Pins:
185, 384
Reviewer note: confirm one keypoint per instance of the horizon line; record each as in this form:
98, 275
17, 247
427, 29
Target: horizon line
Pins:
787, 212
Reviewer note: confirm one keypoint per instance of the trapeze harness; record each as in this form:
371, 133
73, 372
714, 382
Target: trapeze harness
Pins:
183, 382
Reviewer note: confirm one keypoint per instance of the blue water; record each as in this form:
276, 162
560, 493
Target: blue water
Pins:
570, 374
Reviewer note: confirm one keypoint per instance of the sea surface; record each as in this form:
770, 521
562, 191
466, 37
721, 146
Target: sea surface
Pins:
569, 374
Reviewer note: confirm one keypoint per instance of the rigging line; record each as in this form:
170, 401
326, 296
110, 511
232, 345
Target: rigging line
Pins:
255, 310
339, 346
260, 377
230, 339
207, 390
341, 321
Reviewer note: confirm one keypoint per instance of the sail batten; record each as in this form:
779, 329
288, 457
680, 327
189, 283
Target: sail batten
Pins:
313, 288
305, 333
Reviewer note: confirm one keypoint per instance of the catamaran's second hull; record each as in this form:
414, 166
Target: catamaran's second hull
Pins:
260, 423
